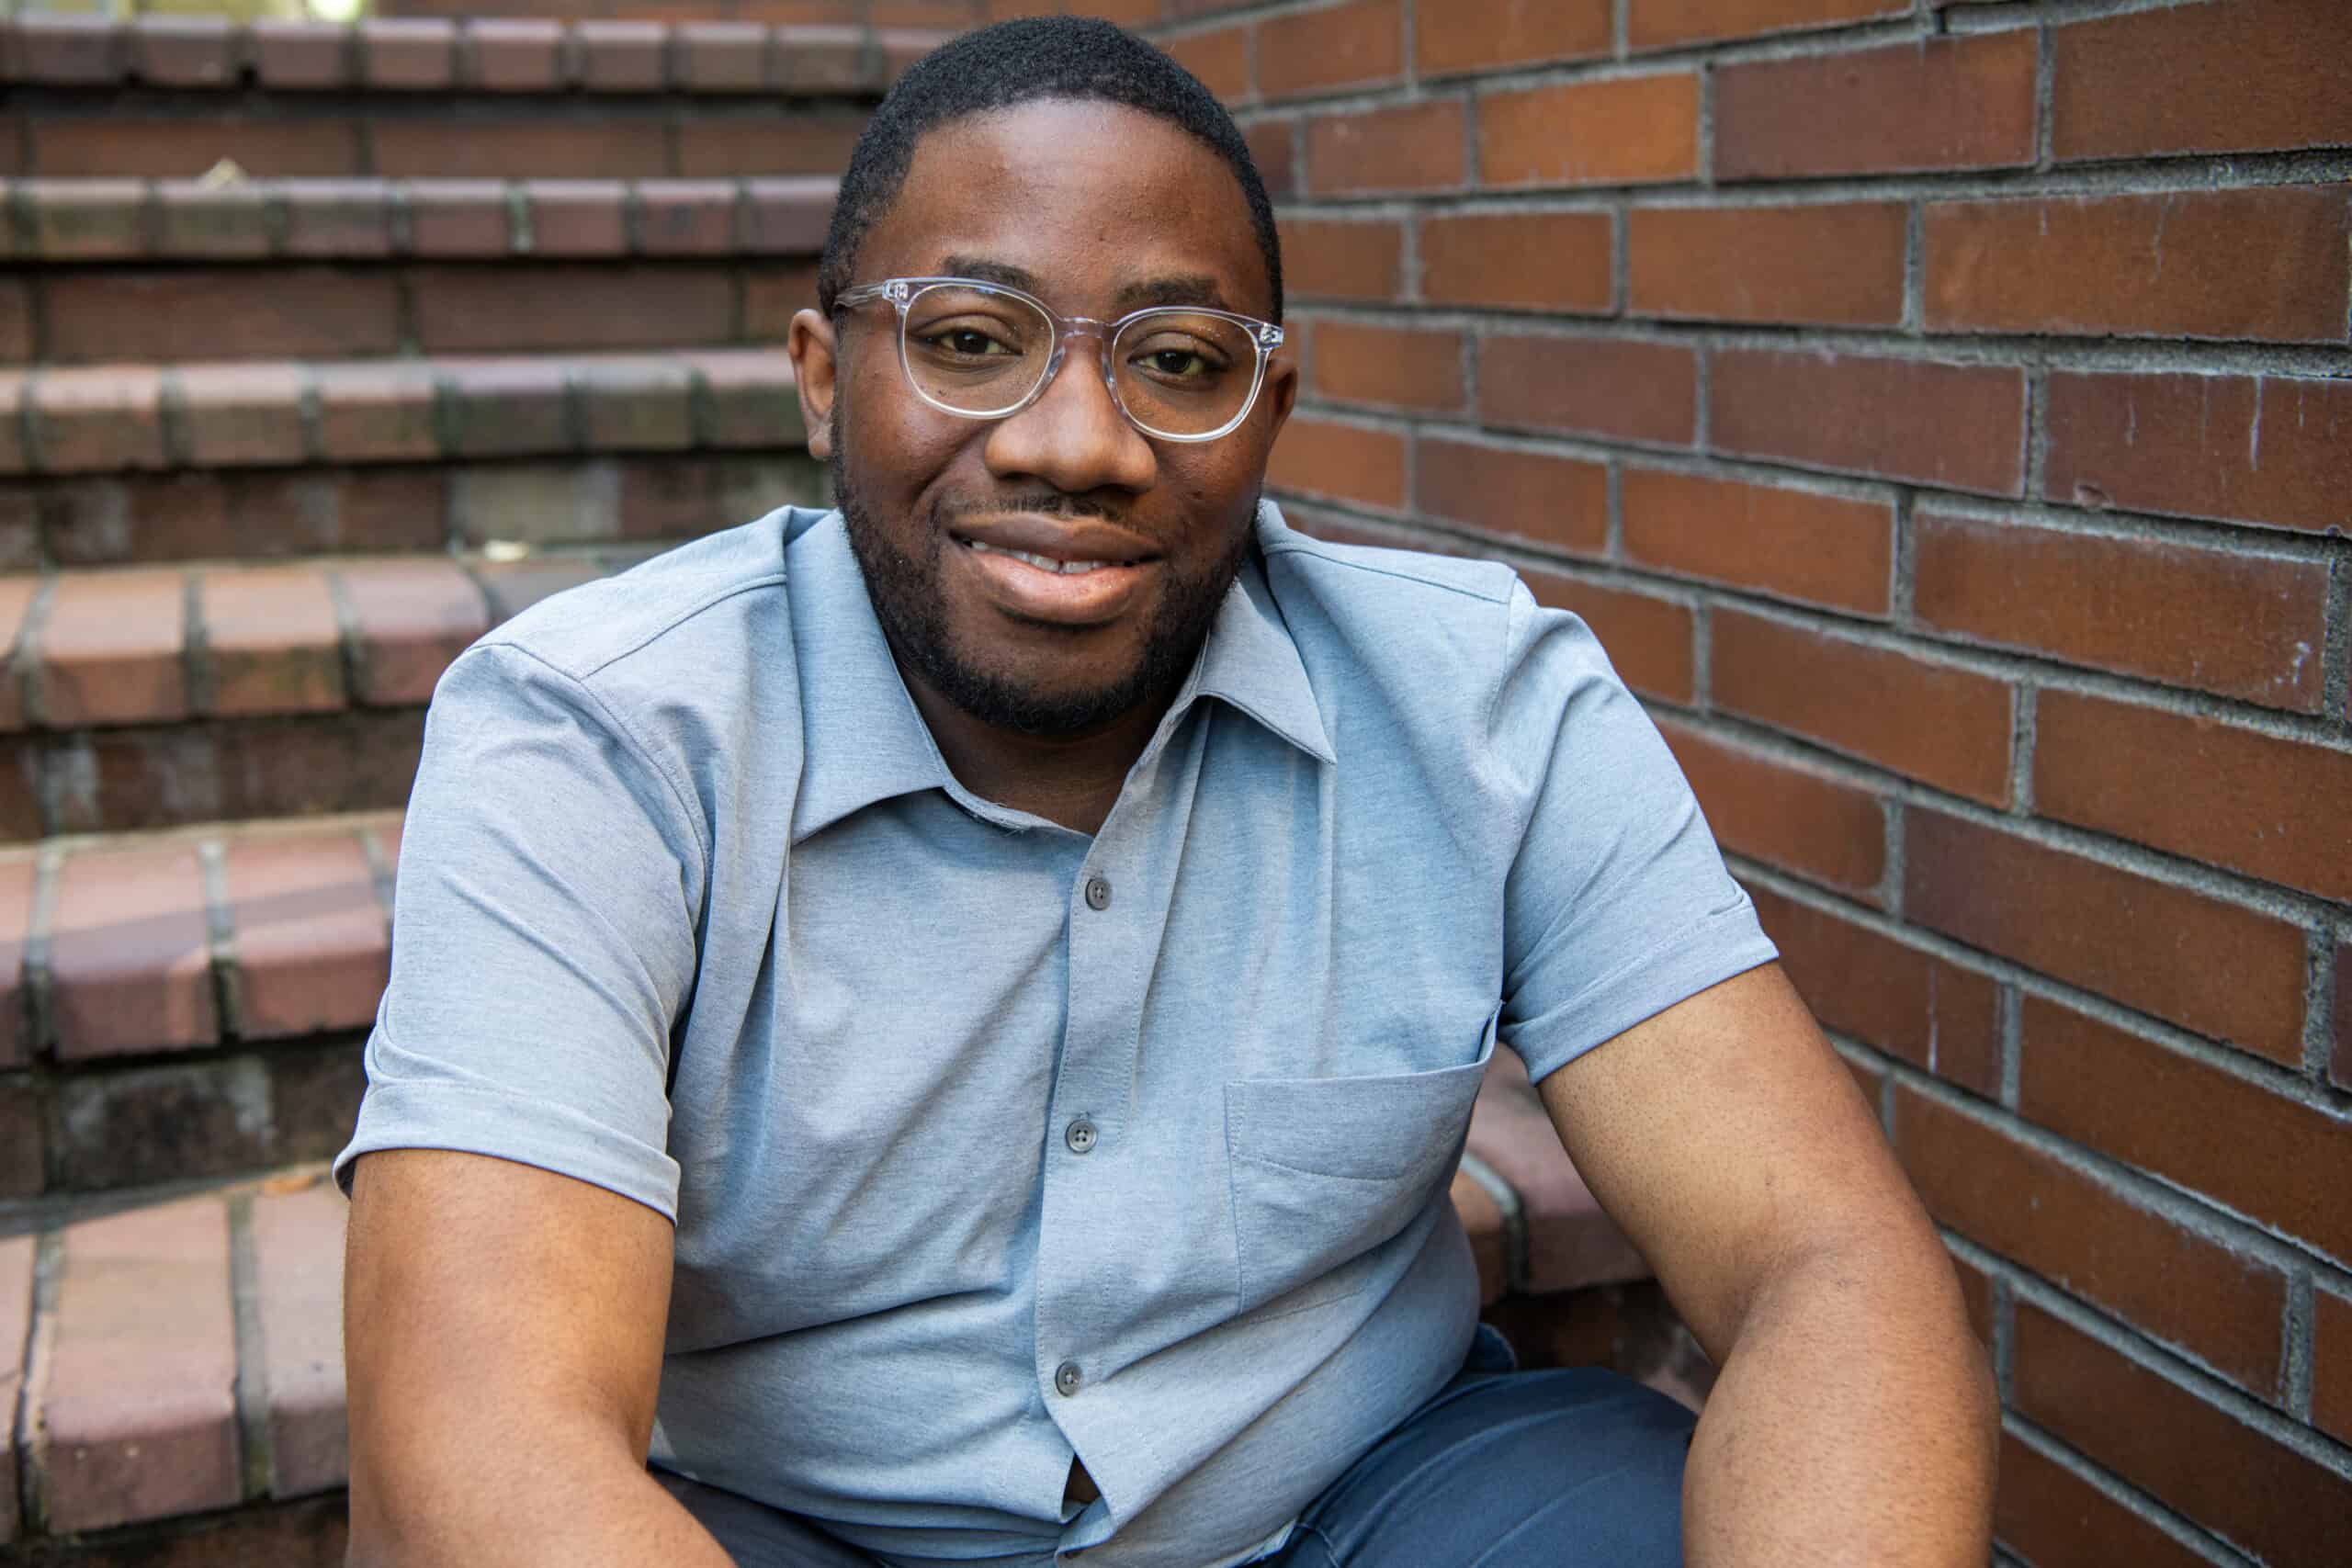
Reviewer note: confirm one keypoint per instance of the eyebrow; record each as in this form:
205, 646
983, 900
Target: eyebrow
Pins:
1187, 289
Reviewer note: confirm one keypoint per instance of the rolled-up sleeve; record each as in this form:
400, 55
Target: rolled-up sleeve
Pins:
543, 937
1618, 904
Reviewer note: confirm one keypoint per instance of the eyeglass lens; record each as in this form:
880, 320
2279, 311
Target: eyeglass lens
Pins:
981, 352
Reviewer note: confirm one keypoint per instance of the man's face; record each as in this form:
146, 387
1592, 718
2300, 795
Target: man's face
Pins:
1098, 211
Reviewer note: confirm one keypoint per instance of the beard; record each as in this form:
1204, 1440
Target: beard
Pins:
908, 601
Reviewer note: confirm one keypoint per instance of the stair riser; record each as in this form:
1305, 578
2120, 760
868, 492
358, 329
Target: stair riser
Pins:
275, 514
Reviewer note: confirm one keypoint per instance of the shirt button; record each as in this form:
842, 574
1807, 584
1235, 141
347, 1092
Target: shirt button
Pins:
1098, 893
1079, 1136
1066, 1377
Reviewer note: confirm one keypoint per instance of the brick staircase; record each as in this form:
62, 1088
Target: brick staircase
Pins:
322, 352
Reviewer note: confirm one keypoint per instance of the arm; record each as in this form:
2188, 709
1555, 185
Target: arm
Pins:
503, 1331
1853, 1421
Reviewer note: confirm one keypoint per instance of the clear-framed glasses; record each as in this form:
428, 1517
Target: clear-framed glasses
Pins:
984, 351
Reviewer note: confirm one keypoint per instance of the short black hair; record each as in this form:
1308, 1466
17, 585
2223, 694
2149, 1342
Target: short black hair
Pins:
1016, 62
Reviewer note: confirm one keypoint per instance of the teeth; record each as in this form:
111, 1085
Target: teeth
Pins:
1043, 563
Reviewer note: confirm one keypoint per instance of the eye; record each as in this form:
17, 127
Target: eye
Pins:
967, 341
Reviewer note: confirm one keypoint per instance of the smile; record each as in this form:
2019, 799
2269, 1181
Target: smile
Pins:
1043, 563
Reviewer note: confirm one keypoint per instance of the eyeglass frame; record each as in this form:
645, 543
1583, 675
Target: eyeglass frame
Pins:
1264, 336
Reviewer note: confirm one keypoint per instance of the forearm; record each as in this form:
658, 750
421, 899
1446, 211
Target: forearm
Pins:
1854, 1421
545, 1499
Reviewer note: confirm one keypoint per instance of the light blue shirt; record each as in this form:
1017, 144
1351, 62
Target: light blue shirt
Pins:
987, 1142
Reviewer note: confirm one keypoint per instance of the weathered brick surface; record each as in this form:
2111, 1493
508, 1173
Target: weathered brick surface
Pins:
1832, 265
1655, 24
1951, 103
1341, 259
271, 644
1388, 367
137, 1406
2242, 448
298, 1256
1637, 131
1477, 35
2053, 1515
1802, 545
2331, 1356
410, 619
1796, 818
2251, 76
1558, 503
1961, 426
1417, 147
110, 651
1622, 387
16, 1323
1348, 461
130, 958
310, 945
1534, 261
1354, 45
18, 877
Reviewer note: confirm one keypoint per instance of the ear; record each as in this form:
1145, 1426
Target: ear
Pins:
816, 370
1280, 393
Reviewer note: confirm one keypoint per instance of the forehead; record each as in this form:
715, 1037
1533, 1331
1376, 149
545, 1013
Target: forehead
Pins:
1086, 197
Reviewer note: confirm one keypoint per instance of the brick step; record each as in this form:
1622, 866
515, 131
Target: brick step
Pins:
235, 1398
954, 15
193, 515
126, 272
102, 419
149, 698
174, 95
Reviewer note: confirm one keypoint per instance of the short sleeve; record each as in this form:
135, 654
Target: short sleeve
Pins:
543, 937
1617, 904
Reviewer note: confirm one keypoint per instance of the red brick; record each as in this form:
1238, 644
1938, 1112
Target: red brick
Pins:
836, 58
1976, 1293
243, 414
1483, 35
721, 57
102, 417
1341, 259
1536, 261
746, 398
569, 309
311, 55
17, 879
771, 297
1942, 103
109, 652
514, 587
1560, 503
677, 218
24, 1161
338, 219
298, 1255
1218, 58
1634, 131
409, 619
2270, 264
1482, 1222
1793, 543
1648, 639
1807, 822
1942, 725
1394, 367
89, 220
221, 313
2228, 1310
1612, 387
635, 405
204, 221
16, 1257
513, 55
135, 1126
1659, 24
1957, 426
461, 218
2281, 1163
1571, 1244
2160, 1436
2235, 622
409, 54
508, 407
185, 51
2331, 1358
2216, 968
379, 412
22, 808
130, 960
271, 641
622, 56
139, 1406
61, 50
312, 953
1358, 44
2221, 793
815, 143
124, 780
1412, 147
185, 146
2056, 1520
17, 597
1932, 1014
542, 147
1839, 265
2247, 448
1351, 462
15, 395
2250, 76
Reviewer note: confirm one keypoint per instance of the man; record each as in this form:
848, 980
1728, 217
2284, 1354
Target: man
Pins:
947, 1024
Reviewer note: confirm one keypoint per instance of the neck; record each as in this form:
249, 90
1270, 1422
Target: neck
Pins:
1072, 780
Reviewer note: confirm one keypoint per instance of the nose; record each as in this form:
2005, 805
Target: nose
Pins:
1073, 437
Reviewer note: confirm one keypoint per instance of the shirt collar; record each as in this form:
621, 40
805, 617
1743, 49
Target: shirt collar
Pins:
864, 740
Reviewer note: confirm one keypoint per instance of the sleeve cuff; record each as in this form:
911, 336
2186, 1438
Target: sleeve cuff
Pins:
470, 1120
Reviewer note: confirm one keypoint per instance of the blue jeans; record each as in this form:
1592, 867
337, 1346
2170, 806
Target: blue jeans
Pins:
1577, 1468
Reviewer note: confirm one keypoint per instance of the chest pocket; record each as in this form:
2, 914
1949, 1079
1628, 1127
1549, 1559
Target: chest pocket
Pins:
1324, 1170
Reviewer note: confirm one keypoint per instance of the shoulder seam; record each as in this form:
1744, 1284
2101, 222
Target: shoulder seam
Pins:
1287, 547
768, 580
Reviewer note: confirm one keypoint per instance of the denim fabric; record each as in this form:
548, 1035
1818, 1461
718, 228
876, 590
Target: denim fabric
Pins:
689, 906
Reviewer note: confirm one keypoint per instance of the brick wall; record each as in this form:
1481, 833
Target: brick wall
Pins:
1944, 413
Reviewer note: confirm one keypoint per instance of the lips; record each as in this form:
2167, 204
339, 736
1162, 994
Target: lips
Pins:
1069, 573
